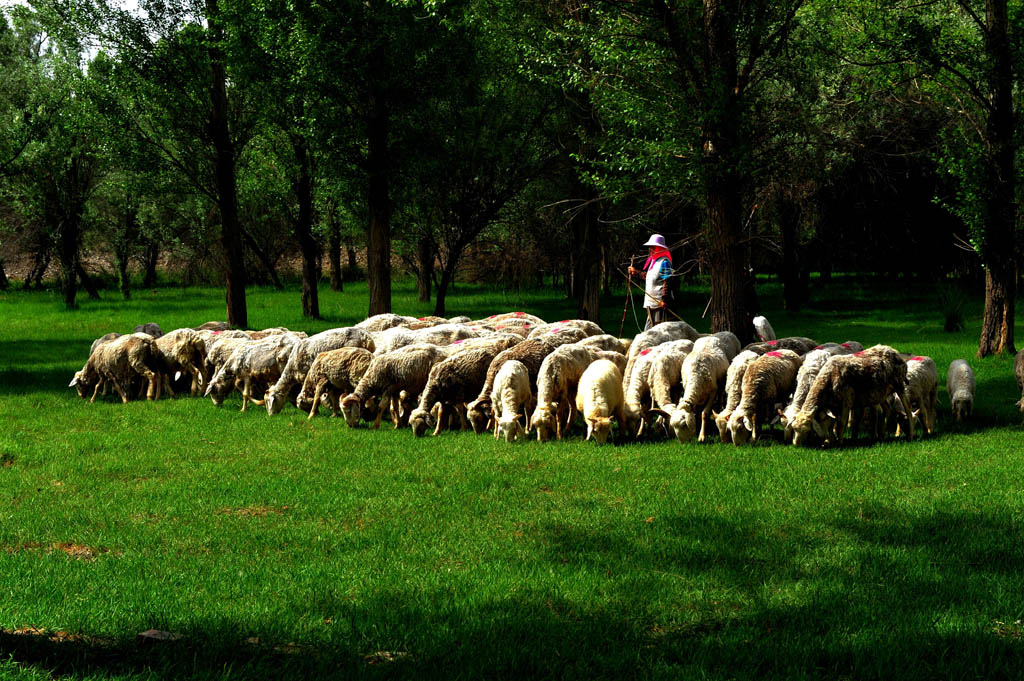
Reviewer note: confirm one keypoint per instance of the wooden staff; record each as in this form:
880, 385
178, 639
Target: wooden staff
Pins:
629, 292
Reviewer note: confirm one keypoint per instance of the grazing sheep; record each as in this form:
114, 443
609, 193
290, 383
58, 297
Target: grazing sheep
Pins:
181, 352
556, 390
387, 376
558, 334
220, 347
704, 370
656, 335
118, 362
763, 329
730, 343
462, 319
531, 353
511, 393
426, 322
768, 379
497, 341
451, 382
255, 366
101, 340
599, 398
922, 394
382, 322
446, 334
960, 386
812, 364
1018, 372
392, 339
336, 373
797, 344
513, 317
733, 392
151, 328
665, 376
304, 352
616, 358
604, 341
213, 326
636, 389
863, 380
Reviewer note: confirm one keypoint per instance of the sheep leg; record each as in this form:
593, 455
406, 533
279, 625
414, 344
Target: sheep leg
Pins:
754, 424
844, 418
440, 419
335, 398
461, 411
245, 394
910, 415
705, 412
117, 387
98, 384
384, 404
316, 400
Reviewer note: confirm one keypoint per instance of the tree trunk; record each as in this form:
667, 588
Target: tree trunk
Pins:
224, 173
67, 255
334, 248
261, 255
353, 265
304, 229
447, 274
4, 281
378, 242
150, 259
588, 261
41, 262
87, 283
999, 248
123, 249
424, 268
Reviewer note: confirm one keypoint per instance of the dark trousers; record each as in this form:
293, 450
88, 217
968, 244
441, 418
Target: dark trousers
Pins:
655, 315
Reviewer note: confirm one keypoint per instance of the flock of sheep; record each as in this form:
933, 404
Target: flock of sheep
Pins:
514, 373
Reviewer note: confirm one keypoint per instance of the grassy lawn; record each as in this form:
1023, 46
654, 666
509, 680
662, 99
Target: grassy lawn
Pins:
280, 548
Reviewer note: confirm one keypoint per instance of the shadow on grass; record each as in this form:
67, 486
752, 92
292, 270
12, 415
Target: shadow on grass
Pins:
875, 592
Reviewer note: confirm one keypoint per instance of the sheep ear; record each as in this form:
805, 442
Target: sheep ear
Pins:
74, 382
714, 415
782, 414
590, 429
828, 413
747, 424
177, 375
658, 412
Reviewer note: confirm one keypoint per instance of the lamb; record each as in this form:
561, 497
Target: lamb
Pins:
254, 366
334, 372
511, 393
960, 386
556, 390
452, 382
922, 393
733, 392
304, 352
862, 380
763, 329
599, 398
703, 369
768, 379
181, 352
1018, 372
387, 376
531, 353
119, 361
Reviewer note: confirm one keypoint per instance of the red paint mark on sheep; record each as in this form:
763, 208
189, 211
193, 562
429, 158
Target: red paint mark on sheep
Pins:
819, 347
858, 354
645, 351
520, 314
774, 342
773, 353
845, 345
917, 359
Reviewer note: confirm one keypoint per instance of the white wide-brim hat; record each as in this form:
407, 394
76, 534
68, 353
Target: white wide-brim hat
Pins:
656, 240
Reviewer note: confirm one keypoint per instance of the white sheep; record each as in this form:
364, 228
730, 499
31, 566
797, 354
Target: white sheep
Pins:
922, 394
960, 386
599, 398
118, 362
531, 353
812, 364
253, 366
768, 379
704, 370
636, 389
452, 382
511, 393
733, 391
557, 379
665, 376
656, 335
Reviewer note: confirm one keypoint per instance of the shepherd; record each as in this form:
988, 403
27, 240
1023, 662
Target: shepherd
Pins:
658, 268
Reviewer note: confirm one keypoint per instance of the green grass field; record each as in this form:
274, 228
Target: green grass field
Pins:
280, 548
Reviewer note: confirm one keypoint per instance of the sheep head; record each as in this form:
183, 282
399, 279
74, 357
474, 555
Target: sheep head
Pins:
351, 409
684, 423
962, 408
544, 421
740, 428
275, 401
220, 387
722, 423
478, 412
419, 420
511, 429
600, 427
